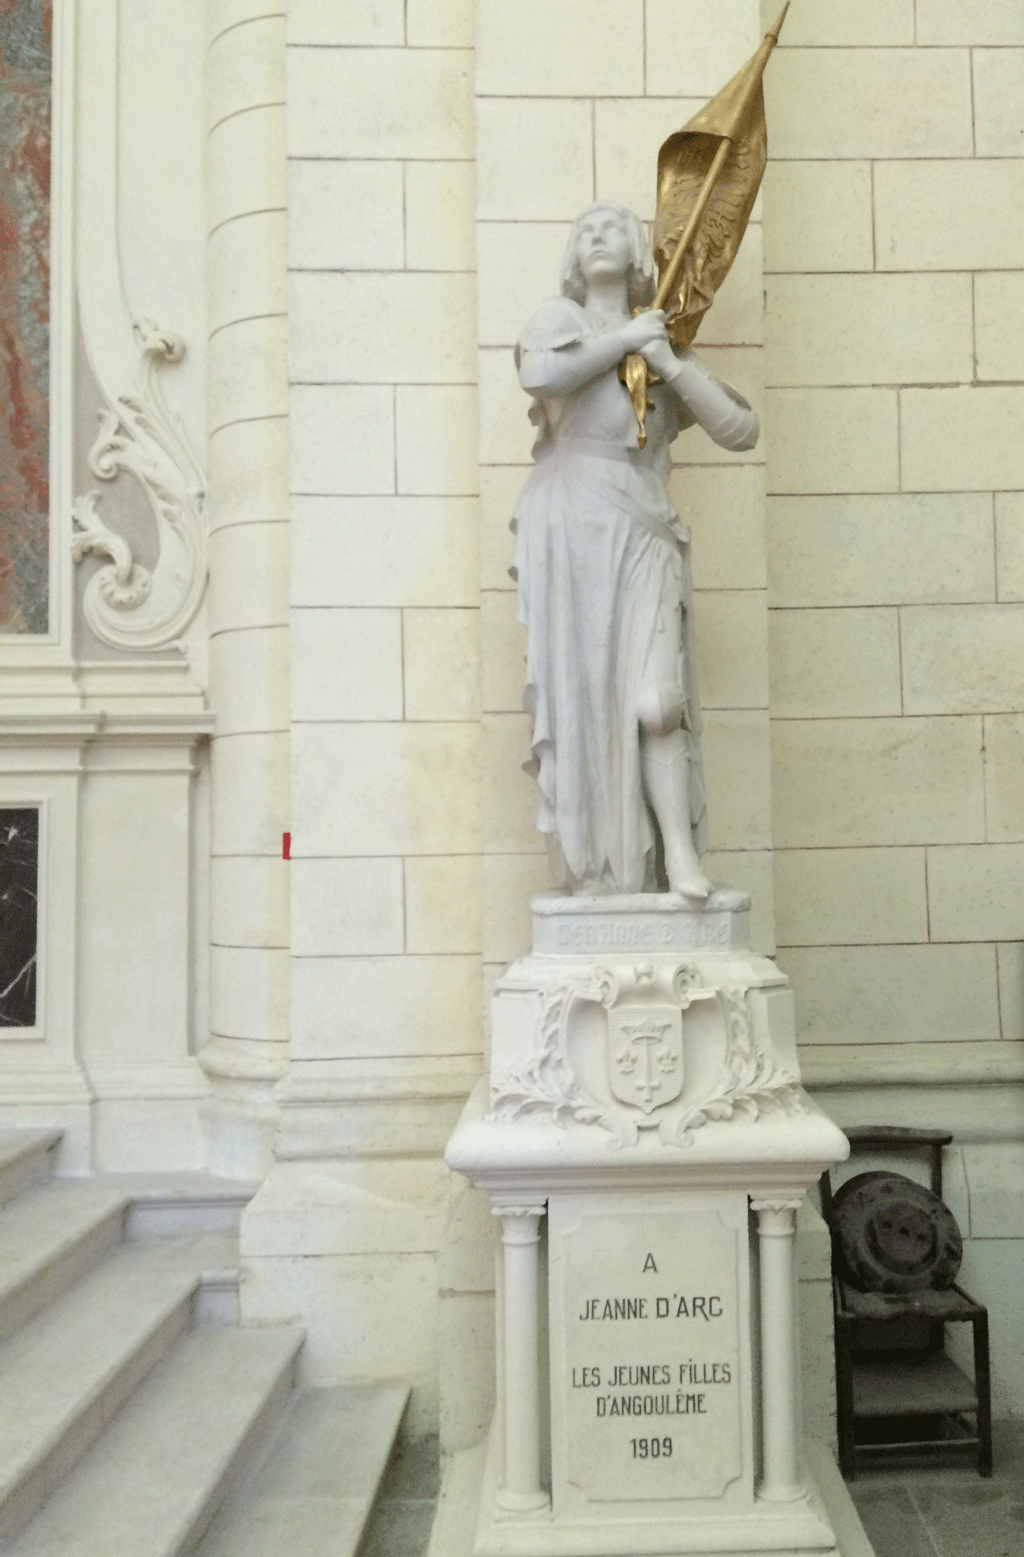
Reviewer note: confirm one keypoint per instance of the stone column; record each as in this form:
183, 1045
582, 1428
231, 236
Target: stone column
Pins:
780, 1469
249, 576
520, 1235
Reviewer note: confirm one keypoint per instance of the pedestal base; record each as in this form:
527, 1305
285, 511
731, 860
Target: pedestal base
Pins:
644, 1143
782, 1529
468, 1484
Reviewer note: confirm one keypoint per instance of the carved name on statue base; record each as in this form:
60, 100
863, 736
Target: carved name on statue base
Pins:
642, 1013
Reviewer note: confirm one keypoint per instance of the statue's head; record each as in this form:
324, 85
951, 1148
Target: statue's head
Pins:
640, 278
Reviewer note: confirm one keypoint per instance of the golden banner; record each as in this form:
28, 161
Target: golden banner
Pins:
687, 171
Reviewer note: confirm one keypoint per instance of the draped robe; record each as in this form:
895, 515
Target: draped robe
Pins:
602, 562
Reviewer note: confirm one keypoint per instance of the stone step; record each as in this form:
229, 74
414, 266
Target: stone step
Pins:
171, 1205
315, 1492
70, 1369
26, 1159
154, 1481
49, 1238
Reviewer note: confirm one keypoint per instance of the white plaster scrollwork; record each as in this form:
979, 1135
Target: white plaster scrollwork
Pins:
126, 605
687, 984
546, 1083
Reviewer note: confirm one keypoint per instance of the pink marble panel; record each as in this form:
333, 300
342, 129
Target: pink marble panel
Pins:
25, 80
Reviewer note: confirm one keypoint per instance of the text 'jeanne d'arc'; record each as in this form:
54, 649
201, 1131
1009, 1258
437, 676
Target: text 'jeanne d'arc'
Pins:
674, 1306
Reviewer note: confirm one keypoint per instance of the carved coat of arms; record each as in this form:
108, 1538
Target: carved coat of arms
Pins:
645, 1055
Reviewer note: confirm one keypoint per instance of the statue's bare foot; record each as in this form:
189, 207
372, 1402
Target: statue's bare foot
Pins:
697, 888
686, 877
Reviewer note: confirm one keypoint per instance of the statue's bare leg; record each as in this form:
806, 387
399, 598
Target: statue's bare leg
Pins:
665, 762
666, 770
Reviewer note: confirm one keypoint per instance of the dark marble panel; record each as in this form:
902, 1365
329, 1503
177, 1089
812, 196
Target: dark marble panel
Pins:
25, 81
19, 920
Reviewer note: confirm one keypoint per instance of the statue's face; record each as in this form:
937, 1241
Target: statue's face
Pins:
602, 246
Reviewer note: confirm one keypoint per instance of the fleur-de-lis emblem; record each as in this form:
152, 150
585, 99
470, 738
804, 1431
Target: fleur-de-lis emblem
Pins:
645, 1054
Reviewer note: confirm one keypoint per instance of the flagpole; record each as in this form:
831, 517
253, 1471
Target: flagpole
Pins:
634, 371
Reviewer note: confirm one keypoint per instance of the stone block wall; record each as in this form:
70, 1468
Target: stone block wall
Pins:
385, 1013
436, 157
893, 247
860, 736
385, 664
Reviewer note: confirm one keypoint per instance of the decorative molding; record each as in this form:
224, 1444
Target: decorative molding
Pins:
875, 1066
149, 1083
520, 1225
126, 605
776, 1215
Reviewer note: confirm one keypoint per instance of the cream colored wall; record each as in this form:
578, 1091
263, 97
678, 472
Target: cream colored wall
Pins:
895, 304
385, 665
389, 189
437, 154
386, 1011
405, 755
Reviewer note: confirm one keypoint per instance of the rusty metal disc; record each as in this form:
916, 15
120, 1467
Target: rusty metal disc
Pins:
893, 1235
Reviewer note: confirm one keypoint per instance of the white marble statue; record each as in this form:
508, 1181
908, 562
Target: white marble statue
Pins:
602, 565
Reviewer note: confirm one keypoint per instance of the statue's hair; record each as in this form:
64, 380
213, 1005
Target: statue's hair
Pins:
640, 281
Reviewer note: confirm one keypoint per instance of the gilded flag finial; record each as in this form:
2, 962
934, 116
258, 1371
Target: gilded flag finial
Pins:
773, 32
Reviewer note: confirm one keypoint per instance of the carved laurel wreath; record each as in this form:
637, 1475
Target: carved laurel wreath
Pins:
546, 1084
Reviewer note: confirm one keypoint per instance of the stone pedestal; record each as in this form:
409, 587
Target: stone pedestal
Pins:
645, 1143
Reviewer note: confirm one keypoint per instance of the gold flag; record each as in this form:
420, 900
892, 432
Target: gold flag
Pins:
734, 119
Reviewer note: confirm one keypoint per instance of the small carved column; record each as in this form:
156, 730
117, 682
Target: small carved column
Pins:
780, 1474
520, 1236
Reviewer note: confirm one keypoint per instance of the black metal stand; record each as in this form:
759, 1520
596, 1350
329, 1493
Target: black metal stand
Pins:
898, 1394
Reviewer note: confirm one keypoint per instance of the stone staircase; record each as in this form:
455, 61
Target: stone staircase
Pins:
135, 1412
